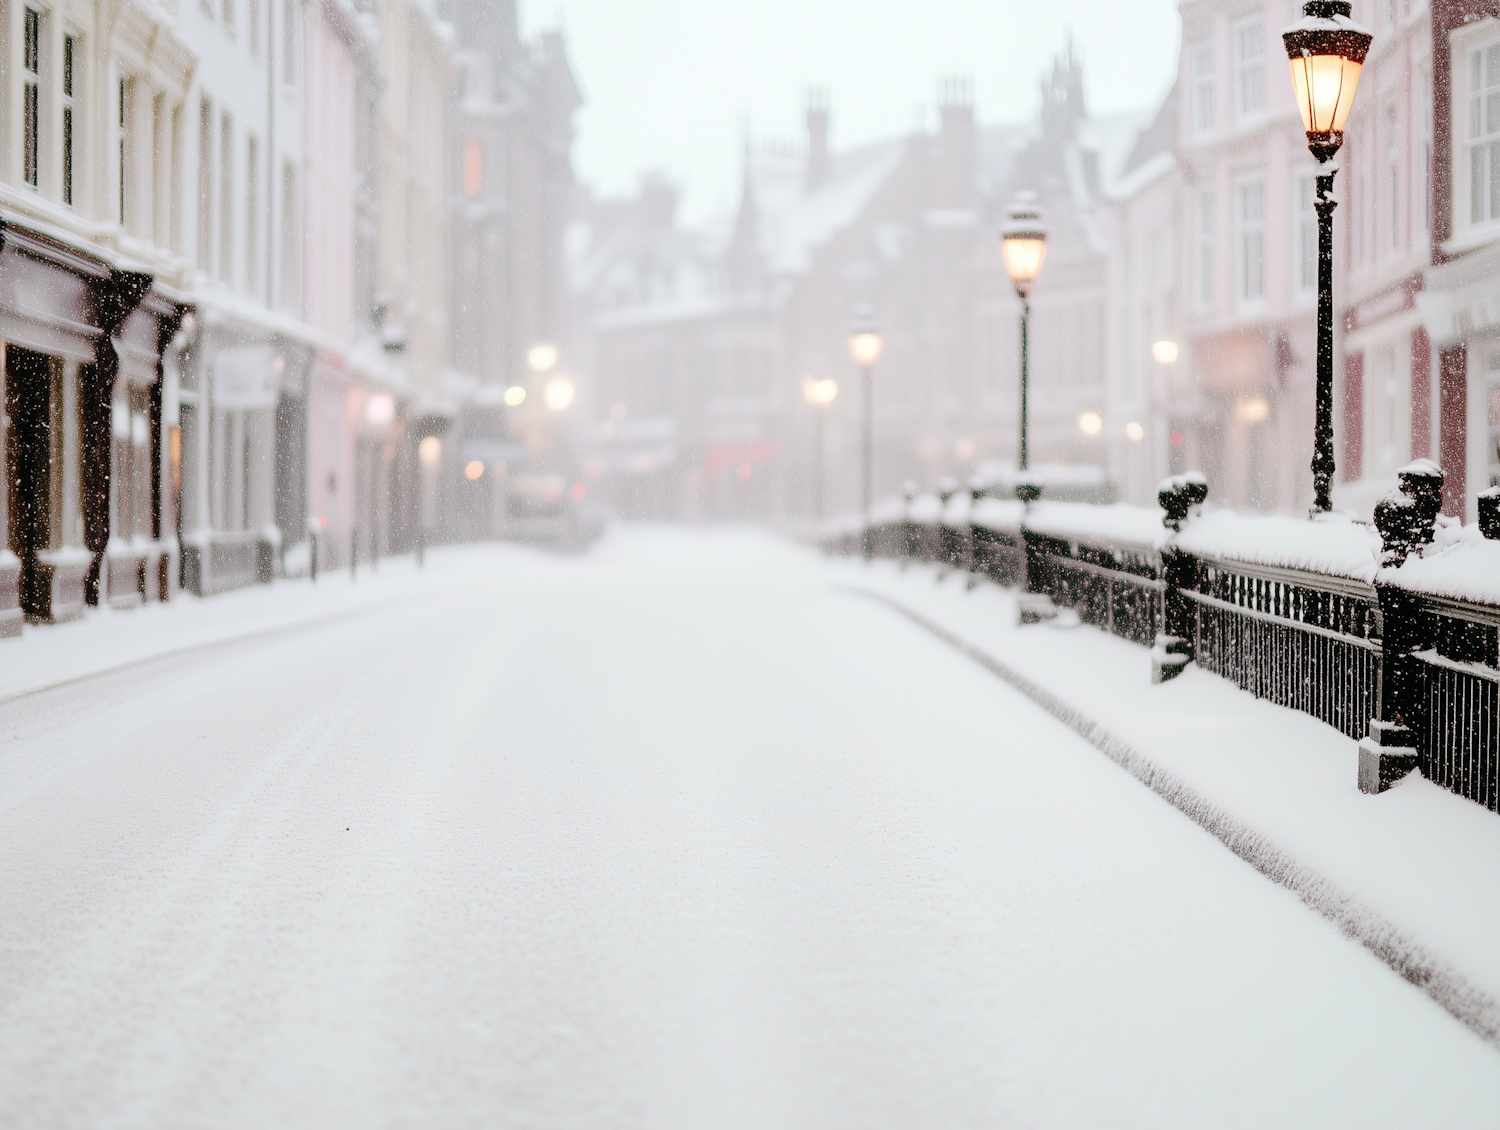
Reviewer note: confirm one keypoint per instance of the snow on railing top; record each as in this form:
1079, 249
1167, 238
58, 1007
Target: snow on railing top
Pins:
957, 509
887, 510
1334, 543
1460, 564
1117, 524
926, 509
1003, 514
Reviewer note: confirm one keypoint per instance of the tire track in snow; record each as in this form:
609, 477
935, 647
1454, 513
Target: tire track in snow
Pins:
1435, 975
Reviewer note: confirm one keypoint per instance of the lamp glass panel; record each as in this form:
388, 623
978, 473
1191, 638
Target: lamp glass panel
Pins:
865, 347
1324, 86
1023, 258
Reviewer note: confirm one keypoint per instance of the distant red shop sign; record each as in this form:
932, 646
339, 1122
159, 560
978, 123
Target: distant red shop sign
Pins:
722, 455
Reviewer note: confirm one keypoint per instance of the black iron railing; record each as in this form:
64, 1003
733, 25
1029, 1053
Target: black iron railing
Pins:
1458, 696
1302, 640
1115, 587
998, 554
1414, 677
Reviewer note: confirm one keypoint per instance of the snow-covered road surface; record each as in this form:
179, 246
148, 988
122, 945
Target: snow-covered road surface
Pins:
678, 834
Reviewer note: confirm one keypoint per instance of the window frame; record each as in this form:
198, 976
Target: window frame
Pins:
1305, 233
1204, 105
1245, 66
68, 87
1205, 249
1250, 241
31, 96
1479, 59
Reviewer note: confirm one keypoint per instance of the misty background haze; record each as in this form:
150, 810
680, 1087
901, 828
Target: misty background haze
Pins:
670, 85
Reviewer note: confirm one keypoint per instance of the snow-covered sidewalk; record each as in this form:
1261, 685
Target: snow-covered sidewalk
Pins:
1411, 873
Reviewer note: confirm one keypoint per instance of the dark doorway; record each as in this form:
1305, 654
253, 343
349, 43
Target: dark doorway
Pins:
33, 410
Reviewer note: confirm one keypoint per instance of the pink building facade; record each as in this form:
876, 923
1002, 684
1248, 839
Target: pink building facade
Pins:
1242, 390
350, 413
1389, 409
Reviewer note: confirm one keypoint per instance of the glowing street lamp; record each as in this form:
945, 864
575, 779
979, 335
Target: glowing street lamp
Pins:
1327, 51
820, 394
865, 346
542, 357
559, 393
1023, 244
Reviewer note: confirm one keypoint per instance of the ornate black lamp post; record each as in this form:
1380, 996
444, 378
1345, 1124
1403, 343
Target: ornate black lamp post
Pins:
1327, 51
865, 345
1023, 242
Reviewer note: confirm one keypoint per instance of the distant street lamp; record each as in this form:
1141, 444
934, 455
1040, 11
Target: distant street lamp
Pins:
1327, 50
541, 357
820, 394
865, 345
1023, 242
559, 393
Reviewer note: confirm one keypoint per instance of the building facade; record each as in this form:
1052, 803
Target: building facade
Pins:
93, 284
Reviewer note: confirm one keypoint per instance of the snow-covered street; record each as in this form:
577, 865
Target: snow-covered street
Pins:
680, 833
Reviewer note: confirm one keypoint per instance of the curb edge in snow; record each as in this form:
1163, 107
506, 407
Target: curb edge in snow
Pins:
1437, 977
132, 666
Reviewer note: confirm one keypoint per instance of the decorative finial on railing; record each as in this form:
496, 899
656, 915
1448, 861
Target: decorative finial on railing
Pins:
1489, 513
1179, 494
1406, 518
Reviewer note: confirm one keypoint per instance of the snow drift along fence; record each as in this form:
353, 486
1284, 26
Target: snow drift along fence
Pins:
1389, 639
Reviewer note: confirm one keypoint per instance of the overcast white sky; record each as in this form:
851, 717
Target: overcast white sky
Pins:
668, 83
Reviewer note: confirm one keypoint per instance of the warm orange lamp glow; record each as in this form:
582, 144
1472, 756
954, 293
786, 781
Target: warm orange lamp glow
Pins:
1327, 50
1023, 243
865, 347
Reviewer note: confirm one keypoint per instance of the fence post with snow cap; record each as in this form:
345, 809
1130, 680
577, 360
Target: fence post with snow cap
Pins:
1489, 513
1406, 520
1178, 496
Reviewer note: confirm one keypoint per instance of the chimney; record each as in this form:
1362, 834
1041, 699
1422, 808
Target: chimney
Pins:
817, 137
959, 148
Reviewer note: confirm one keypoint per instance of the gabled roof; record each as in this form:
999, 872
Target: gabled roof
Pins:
792, 220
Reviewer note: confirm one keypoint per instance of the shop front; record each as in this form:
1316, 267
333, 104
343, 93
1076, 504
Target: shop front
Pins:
83, 441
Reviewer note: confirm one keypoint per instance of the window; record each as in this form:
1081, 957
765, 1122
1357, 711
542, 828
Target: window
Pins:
1494, 391
1204, 222
1384, 411
473, 168
1203, 87
1393, 178
289, 47
205, 186
226, 199
1250, 215
1250, 68
120, 139
69, 49
1424, 108
31, 74
1484, 134
252, 205
1305, 253
291, 228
